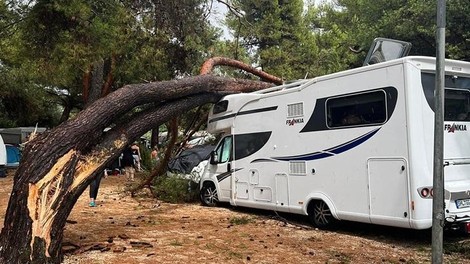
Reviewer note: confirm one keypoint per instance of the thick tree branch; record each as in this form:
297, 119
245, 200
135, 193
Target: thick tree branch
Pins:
105, 111
210, 63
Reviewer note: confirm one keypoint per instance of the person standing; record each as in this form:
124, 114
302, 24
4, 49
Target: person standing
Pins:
136, 154
94, 186
128, 163
154, 155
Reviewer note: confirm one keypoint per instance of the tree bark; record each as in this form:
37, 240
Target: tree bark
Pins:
58, 165
154, 141
111, 65
96, 83
209, 64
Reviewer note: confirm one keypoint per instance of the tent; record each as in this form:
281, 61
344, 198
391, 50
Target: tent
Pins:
13, 156
190, 158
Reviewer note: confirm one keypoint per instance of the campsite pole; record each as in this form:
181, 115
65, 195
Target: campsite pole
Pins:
438, 176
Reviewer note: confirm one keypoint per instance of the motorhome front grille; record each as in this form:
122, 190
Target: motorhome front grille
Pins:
298, 168
294, 110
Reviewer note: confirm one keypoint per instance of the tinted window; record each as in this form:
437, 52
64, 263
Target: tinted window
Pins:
456, 105
220, 107
247, 144
456, 87
356, 110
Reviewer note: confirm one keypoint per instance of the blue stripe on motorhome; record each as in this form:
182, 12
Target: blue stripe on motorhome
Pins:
353, 143
332, 151
305, 157
263, 160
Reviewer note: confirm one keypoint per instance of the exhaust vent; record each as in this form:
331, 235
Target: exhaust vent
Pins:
295, 110
297, 168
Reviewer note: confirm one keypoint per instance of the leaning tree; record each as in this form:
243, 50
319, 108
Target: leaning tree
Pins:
58, 165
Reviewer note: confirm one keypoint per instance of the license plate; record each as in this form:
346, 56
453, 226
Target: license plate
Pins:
462, 203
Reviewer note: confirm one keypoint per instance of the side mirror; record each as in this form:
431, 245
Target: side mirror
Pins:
214, 159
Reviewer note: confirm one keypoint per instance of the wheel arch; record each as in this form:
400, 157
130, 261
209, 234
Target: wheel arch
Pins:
315, 197
208, 182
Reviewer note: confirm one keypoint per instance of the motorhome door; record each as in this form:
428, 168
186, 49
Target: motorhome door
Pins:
388, 191
223, 167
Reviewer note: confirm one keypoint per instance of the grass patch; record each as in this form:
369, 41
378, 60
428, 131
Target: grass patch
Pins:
242, 246
458, 247
423, 249
176, 243
341, 257
243, 220
236, 255
211, 246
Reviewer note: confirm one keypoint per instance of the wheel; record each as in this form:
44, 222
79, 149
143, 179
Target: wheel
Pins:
208, 195
320, 214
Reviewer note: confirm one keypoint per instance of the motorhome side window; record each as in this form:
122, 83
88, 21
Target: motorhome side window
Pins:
456, 95
247, 144
224, 150
357, 110
456, 105
220, 107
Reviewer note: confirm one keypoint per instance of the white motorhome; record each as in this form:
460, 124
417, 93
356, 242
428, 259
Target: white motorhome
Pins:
355, 145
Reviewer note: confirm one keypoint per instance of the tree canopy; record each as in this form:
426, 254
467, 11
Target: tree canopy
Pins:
357, 23
73, 52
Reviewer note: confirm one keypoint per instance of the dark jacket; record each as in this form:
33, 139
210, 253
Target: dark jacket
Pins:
127, 158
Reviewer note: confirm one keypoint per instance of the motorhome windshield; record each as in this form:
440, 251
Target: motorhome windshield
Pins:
456, 96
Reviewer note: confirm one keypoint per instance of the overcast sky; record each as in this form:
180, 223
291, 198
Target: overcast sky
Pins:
218, 15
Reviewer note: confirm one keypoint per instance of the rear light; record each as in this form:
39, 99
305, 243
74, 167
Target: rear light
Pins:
425, 192
466, 227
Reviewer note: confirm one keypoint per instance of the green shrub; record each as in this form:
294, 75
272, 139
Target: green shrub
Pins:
175, 189
146, 161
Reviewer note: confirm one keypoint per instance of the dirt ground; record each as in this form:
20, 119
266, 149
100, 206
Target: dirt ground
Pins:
122, 229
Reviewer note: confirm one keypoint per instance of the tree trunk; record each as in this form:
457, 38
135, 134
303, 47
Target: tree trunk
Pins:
58, 165
154, 141
65, 113
110, 65
96, 83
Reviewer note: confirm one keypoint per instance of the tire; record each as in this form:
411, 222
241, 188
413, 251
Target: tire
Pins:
320, 215
208, 195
